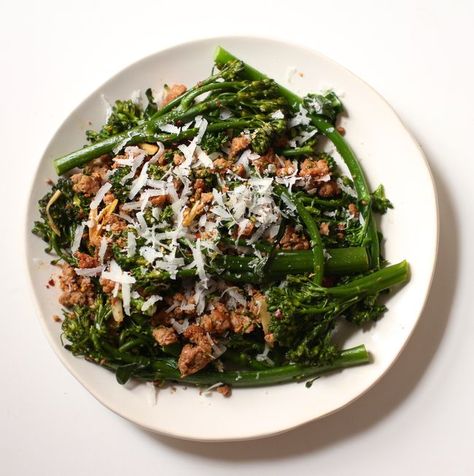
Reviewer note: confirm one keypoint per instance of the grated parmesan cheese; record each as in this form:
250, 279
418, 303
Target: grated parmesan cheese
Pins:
89, 272
102, 249
77, 237
100, 195
131, 244
150, 302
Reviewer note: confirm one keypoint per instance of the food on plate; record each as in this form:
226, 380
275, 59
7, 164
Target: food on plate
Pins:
209, 238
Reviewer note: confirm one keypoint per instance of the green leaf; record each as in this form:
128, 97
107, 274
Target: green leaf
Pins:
125, 372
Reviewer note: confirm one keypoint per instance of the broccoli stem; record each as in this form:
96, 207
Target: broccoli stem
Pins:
297, 152
373, 283
341, 262
82, 156
222, 57
223, 86
313, 232
241, 269
162, 369
320, 202
356, 290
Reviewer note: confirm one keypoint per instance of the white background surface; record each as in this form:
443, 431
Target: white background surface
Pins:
418, 54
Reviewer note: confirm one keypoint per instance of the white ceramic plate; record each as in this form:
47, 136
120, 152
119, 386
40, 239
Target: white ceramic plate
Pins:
388, 154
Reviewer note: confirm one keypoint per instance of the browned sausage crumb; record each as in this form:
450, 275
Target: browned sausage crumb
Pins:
86, 261
87, 184
265, 160
269, 338
292, 240
76, 289
192, 359
241, 323
178, 159
174, 91
160, 200
165, 335
222, 165
107, 285
248, 229
324, 228
314, 168
238, 144
286, 169
328, 189
353, 210
56, 318
225, 390
217, 321
109, 198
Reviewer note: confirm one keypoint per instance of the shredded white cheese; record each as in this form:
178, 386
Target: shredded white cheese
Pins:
89, 272
77, 237
102, 249
150, 302
100, 195
131, 244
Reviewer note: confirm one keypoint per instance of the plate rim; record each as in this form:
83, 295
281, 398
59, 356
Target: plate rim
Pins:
219, 39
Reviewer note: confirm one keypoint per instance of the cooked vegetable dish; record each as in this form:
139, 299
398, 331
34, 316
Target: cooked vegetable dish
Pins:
207, 238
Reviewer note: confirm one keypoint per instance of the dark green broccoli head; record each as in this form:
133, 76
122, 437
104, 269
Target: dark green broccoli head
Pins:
125, 115
327, 105
380, 203
119, 189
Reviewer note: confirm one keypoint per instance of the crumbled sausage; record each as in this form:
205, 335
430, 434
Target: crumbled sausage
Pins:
197, 335
285, 169
247, 230
265, 160
328, 189
340, 231
77, 290
99, 167
241, 323
238, 144
353, 210
217, 321
117, 224
160, 200
87, 184
269, 339
107, 285
174, 91
165, 335
222, 165
225, 390
239, 170
109, 198
192, 359
178, 159
324, 228
199, 184
86, 261
292, 240
314, 168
